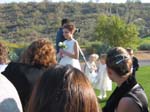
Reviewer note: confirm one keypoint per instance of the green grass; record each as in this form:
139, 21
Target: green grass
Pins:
143, 77
145, 40
13, 45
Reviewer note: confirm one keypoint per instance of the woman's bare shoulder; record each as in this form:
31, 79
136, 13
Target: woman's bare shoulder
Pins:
127, 104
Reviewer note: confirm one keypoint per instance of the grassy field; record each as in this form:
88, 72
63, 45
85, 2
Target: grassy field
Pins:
143, 77
145, 40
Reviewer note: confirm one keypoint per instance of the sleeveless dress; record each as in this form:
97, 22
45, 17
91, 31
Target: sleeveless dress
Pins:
104, 81
68, 60
90, 73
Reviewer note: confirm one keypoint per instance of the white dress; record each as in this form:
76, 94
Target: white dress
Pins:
90, 72
104, 81
68, 60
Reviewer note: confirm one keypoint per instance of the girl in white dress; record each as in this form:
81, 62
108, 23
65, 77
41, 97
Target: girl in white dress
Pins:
90, 69
105, 84
69, 54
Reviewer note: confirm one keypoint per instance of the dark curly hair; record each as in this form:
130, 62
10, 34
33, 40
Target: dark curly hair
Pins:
40, 52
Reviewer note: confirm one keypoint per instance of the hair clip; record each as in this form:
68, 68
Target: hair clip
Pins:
124, 57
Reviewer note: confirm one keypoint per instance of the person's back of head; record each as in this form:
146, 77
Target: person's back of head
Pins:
3, 54
65, 21
63, 89
119, 60
41, 52
70, 27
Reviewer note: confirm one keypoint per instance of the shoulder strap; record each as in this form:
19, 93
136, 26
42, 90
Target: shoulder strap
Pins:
138, 99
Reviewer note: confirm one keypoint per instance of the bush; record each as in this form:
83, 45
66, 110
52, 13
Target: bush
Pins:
96, 47
114, 31
145, 46
14, 54
15, 50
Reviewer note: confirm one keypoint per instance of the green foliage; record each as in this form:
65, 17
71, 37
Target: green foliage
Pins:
95, 47
144, 47
145, 40
113, 31
143, 79
144, 44
13, 45
13, 56
15, 50
18, 21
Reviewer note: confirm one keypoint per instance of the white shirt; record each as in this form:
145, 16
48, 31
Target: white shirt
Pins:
9, 99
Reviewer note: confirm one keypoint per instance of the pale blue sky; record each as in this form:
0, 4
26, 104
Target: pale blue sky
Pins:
102, 1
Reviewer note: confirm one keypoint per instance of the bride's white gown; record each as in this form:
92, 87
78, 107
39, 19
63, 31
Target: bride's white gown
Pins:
68, 60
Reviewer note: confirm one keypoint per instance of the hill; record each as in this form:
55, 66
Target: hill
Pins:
28, 21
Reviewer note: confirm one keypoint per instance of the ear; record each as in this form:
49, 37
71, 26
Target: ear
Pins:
109, 71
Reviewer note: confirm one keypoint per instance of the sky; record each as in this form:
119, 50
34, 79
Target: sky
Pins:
101, 1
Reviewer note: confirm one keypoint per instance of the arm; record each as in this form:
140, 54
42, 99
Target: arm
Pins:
126, 104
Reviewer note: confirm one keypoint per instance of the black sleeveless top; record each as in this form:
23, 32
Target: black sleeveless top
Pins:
129, 88
139, 97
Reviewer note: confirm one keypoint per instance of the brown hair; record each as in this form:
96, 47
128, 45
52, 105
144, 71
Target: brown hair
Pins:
119, 60
64, 21
63, 89
103, 56
40, 52
3, 54
70, 26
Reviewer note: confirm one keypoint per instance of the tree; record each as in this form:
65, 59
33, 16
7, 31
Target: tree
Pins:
113, 31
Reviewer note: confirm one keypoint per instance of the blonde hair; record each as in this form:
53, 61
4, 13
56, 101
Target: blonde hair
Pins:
95, 56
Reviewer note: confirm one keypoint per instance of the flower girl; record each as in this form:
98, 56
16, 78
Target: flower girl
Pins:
90, 68
105, 84
69, 51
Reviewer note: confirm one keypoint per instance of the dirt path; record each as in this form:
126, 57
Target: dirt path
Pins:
143, 57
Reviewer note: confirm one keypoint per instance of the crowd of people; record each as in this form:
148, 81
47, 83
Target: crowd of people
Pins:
49, 80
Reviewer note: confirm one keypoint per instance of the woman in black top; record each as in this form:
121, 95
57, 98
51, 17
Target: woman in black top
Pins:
39, 56
128, 95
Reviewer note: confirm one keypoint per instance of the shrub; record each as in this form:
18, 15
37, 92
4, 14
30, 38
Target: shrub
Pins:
144, 46
96, 47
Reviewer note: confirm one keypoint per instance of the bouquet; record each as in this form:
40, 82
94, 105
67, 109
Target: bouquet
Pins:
62, 45
60, 54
